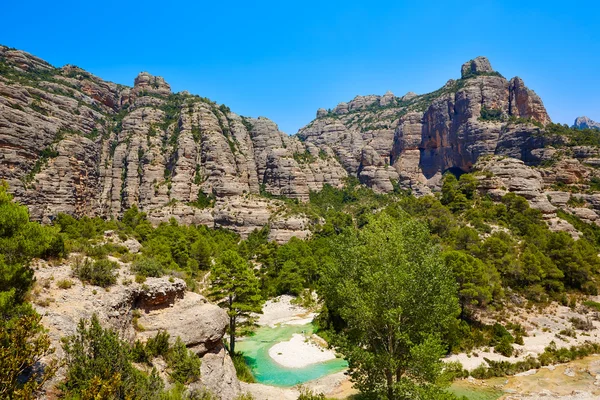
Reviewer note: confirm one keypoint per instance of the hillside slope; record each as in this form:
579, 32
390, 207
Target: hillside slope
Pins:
72, 142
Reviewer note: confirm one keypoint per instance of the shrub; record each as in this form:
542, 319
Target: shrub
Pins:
99, 273
594, 305
242, 370
306, 394
505, 347
100, 366
64, 284
184, 364
582, 324
491, 114
148, 267
159, 344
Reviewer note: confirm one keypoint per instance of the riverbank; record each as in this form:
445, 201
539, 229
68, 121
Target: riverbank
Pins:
284, 351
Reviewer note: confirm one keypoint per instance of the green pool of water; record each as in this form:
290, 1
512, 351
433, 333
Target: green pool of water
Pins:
256, 352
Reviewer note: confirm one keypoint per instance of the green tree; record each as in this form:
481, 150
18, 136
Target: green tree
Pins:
23, 344
393, 299
236, 288
100, 366
23, 341
479, 283
452, 195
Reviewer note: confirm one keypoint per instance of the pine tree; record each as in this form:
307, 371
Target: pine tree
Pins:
23, 341
236, 288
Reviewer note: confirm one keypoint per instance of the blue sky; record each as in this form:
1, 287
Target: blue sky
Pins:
283, 60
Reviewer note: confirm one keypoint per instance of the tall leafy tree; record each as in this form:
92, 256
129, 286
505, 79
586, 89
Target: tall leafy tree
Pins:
236, 288
392, 299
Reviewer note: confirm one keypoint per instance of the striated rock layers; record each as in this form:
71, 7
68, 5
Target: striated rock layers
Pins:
585, 122
71, 142
415, 139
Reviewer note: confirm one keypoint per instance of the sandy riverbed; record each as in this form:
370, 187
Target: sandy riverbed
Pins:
299, 352
280, 310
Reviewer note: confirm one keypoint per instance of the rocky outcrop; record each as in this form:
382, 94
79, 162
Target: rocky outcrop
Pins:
422, 137
476, 66
71, 142
139, 311
585, 123
524, 103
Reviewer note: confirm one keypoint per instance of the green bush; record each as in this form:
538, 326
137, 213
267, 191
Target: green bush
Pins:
491, 114
183, 363
99, 365
148, 267
159, 344
242, 370
505, 347
64, 284
100, 273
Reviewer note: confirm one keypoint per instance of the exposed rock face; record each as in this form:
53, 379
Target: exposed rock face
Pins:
585, 122
476, 66
71, 142
524, 103
164, 304
421, 137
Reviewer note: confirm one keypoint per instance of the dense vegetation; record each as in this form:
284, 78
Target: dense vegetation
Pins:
23, 342
375, 261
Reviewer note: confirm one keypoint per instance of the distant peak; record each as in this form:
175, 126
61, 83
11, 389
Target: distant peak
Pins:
585, 122
476, 66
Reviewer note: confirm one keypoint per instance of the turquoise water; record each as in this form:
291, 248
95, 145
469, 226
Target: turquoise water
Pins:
256, 352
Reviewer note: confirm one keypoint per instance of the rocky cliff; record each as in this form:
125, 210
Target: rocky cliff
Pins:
138, 311
585, 122
416, 138
72, 142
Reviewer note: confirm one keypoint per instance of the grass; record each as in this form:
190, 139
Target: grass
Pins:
594, 305
242, 370
64, 284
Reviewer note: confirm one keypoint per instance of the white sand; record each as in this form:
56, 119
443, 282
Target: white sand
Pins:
543, 327
280, 310
299, 353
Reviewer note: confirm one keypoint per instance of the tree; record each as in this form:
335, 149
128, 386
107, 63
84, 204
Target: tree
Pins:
479, 283
393, 299
100, 366
24, 344
236, 288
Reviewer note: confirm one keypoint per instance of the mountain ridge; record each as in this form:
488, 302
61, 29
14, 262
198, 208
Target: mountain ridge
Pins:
72, 142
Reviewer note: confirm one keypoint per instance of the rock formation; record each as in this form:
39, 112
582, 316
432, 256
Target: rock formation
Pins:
139, 311
71, 142
421, 137
585, 122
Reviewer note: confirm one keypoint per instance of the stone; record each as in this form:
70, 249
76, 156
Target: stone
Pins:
217, 374
585, 123
159, 301
59, 155
476, 66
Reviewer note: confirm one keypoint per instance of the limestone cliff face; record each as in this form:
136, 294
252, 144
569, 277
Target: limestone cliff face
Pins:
71, 142
415, 139
585, 122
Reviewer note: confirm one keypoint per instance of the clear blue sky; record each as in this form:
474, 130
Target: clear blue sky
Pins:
285, 59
